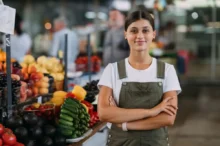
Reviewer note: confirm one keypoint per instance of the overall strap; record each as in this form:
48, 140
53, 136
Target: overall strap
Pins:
160, 69
121, 69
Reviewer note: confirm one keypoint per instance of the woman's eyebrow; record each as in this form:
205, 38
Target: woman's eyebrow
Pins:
142, 27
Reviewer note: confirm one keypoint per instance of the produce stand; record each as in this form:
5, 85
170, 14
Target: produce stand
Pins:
53, 104
37, 108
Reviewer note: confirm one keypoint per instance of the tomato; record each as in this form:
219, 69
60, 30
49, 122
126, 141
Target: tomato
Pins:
18, 144
7, 130
9, 138
1, 142
28, 109
1, 129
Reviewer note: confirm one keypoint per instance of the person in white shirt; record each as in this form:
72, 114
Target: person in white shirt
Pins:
138, 95
20, 42
58, 43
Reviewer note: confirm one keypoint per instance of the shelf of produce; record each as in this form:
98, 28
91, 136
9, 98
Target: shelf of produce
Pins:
38, 98
95, 130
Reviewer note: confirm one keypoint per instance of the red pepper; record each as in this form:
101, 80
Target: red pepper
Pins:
70, 95
89, 105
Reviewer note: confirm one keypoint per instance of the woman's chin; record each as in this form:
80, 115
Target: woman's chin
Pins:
140, 49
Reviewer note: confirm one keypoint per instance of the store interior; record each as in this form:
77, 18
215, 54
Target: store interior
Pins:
188, 37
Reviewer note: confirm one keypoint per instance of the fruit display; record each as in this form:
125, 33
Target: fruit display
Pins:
59, 115
58, 98
79, 92
16, 84
46, 111
74, 119
82, 64
92, 90
7, 137
35, 131
45, 65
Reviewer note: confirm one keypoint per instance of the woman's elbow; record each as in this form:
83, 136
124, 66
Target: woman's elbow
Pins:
102, 115
170, 121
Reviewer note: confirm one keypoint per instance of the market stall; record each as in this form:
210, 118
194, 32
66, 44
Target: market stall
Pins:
40, 100
38, 109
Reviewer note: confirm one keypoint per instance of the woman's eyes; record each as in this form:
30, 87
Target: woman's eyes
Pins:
136, 31
145, 30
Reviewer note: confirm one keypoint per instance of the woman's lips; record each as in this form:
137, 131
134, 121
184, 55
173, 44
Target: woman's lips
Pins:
140, 42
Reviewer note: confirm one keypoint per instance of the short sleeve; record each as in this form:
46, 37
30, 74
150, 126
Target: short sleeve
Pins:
171, 82
106, 78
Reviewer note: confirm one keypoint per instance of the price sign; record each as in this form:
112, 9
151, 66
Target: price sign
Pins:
7, 19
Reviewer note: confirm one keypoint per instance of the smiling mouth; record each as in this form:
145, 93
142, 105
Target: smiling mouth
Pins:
140, 42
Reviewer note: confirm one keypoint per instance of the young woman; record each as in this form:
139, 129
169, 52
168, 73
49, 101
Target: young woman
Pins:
138, 95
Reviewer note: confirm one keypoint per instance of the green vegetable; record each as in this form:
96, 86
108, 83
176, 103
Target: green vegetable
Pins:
64, 122
66, 117
66, 127
67, 132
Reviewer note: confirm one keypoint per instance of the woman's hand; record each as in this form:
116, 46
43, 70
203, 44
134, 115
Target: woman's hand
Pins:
165, 106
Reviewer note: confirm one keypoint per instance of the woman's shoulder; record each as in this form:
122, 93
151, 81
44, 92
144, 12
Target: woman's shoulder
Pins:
168, 66
111, 66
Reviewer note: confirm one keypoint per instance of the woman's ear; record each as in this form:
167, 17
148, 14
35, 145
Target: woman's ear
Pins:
154, 34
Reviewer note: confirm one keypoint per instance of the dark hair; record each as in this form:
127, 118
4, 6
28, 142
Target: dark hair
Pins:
18, 21
137, 15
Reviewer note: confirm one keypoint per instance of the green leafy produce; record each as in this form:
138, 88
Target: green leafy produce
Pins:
74, 119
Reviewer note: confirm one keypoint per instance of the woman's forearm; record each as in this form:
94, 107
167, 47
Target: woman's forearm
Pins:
119, 115
151, 123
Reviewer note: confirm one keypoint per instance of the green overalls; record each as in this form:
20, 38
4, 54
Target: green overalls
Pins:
135, 95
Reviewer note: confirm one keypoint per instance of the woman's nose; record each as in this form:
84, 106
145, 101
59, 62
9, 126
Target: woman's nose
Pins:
140, 35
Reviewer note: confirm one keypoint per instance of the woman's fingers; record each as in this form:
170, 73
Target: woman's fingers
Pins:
171, 109
167, 99
168, 112
174, 106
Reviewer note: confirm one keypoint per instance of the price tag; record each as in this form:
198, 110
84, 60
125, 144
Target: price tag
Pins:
39, 99
7, 19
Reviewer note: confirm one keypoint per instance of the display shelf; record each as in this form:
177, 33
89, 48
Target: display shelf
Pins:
38, 98
95, 129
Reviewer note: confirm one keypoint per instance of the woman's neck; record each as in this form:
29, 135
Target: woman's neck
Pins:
140, 60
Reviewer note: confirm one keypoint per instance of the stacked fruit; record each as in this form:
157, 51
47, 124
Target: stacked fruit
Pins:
7, 137
35, 131
16, 84
3, 61
44, 65
46, 111
74, 119
45, 85
92, 91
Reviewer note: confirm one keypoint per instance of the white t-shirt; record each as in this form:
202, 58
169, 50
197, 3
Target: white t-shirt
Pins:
111, 79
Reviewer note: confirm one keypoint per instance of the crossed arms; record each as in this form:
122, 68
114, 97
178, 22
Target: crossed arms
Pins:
161, 115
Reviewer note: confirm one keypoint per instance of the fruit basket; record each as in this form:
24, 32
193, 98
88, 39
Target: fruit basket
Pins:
46, 110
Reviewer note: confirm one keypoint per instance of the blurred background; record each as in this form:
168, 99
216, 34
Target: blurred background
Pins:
188, 36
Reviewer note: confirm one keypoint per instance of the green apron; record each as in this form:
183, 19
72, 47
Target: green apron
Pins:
135, 95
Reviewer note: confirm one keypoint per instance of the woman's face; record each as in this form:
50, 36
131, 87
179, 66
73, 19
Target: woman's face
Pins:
140, 35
